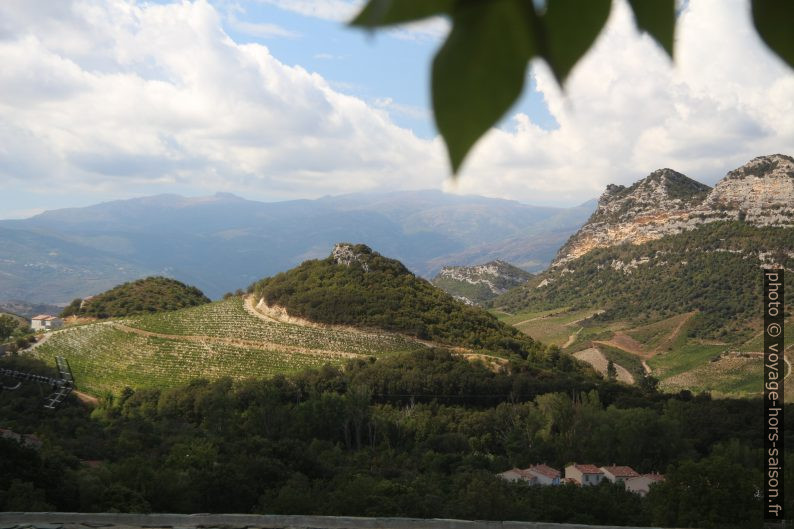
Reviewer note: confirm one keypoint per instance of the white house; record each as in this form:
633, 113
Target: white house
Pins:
516, 474
619, 474
641, 484
45, 322
584, 474
545, 475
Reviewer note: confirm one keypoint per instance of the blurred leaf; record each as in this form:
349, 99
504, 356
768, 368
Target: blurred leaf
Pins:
479, 71
388, 12
657, 18
569, 29
774, 20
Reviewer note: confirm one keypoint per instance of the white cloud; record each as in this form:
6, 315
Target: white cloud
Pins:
118, 97
433, 28
338, 10
262, 30
159, 94
627, 110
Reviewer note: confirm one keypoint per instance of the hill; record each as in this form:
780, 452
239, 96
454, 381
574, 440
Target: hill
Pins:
666, 202
222, 242
665, 277
214, 340
152, 294
475, 285
713, 270
357, 286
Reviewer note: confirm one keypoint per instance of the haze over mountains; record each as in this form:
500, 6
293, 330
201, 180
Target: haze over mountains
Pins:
223, 242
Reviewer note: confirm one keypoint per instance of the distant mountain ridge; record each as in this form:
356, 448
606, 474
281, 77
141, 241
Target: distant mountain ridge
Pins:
666, 202
479, 284
223, 242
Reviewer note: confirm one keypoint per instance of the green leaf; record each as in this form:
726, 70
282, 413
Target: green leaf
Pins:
657, 18
387, 12
774, 20
479, 71
569, 29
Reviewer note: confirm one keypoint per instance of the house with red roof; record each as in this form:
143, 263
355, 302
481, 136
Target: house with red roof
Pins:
619, 474
642, 483
584, 474
45, 322
516, 474
545, 475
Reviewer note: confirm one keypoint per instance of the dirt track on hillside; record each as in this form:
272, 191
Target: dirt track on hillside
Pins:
265, 346
596, 358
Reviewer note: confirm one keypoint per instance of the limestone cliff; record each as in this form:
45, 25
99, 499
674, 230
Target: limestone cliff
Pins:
665, 202
477, 284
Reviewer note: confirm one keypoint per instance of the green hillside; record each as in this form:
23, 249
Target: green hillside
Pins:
214, 340
152, 294
714, 270
688, 305
360, 287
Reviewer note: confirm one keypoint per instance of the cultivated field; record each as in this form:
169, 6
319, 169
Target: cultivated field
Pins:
211, 341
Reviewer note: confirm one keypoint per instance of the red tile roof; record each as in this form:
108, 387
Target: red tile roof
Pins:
588, 469
621, 472
545, 471
44, 317
654, 476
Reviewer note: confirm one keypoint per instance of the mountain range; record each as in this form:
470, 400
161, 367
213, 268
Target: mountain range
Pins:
223, 242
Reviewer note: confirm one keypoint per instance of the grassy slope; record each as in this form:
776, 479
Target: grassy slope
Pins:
104, 358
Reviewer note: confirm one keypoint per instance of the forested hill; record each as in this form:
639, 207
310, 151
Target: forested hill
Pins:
714, 269
357, 286
152, 294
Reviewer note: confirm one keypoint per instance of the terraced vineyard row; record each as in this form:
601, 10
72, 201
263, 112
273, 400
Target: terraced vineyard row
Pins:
104, 358
229, 319
210, 341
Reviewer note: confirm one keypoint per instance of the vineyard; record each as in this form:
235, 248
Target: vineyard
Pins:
210, 341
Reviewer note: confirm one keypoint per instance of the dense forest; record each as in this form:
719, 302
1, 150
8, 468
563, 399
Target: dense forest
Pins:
419, 435
713, 269
152, 294
375, 291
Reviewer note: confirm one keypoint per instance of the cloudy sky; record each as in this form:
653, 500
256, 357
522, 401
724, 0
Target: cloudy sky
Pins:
278, 99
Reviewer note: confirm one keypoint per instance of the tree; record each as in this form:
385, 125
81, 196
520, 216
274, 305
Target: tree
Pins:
612, 372
8, 325
479, 71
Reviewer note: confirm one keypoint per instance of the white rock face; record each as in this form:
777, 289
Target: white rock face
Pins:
498, 276
665, 202
344, 254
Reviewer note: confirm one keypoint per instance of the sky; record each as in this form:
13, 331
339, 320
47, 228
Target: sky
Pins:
280, 99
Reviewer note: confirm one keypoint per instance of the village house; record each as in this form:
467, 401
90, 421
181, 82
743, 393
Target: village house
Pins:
619, 474
45, 322
516, 474
545, 475
641, 484
584, 474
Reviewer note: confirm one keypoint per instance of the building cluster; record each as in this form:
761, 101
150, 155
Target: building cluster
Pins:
584, 475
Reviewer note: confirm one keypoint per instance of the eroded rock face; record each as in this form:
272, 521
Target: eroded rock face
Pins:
494, 278
666, 202
346, 254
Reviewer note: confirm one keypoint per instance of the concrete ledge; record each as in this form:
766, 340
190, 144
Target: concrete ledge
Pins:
69, 520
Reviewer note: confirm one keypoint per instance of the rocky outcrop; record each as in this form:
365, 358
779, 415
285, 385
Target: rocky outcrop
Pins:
477, 284
666, 202
346, 254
